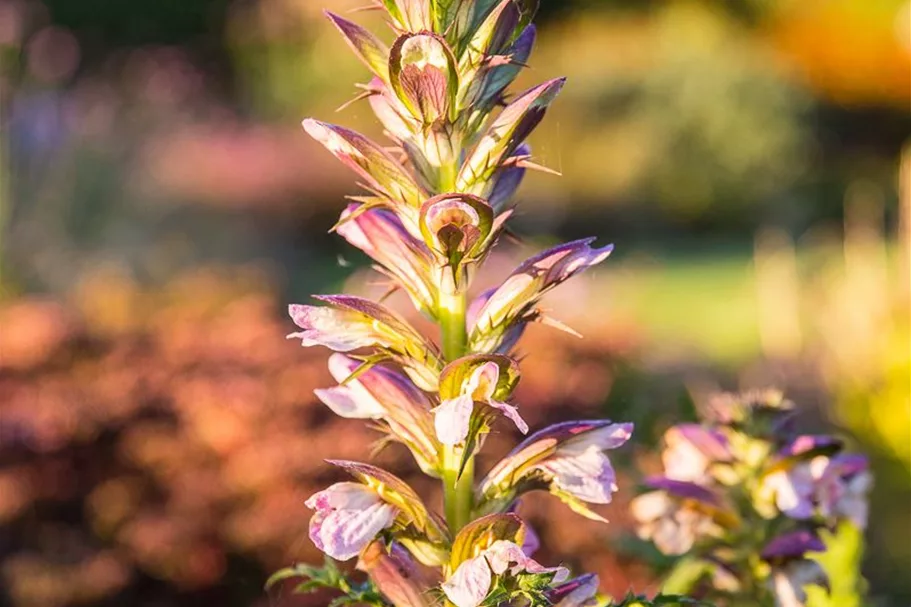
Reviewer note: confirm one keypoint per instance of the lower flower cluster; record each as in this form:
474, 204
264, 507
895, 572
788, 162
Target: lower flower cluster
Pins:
745, 497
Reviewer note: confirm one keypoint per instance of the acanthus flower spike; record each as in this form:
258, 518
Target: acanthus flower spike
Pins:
435, 203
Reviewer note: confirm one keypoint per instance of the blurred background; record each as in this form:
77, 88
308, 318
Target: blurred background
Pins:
160, 206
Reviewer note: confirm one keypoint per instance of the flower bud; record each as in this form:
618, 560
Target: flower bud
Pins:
505, 134
456, 226
374, 164
513, 302
395, 575
424, 76
380, 234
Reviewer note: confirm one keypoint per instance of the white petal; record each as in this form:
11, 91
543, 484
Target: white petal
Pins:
512, 413
452, 419
343, 495
588, 475
351, 402
470, 583
344, 533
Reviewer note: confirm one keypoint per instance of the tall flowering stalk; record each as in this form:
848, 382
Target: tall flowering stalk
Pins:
745, 501
434, 204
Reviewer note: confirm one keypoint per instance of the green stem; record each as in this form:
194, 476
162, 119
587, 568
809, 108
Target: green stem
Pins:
452, 325
457, 491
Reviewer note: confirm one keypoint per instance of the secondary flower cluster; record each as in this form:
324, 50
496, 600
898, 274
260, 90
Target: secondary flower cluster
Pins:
435, 203
744, 497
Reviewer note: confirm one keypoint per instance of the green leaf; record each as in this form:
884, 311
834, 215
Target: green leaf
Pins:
685, 575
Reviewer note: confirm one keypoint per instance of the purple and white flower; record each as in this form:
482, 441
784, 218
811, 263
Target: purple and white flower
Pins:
348, 517
348, 323
569, 457
452, 418
382, 393
675, 515
691, 450
577, 592
471, 582
513, 303
380, 234
791, 571
828, 487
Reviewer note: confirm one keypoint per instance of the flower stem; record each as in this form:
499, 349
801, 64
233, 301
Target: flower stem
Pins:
452, 325
457, 491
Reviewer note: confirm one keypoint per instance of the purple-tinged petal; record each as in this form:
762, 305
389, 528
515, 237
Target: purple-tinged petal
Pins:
545, 443
532, 542
380, 234
810, 444
506, 133
338, 330
343, 495
452, 419
470, 583
342, 534
513, 302
348, 516
505, 556
793, 490
383, 393
586, 475
691, 450
364, 44
394, 117
788, 583
793, 545
507, 179
578, 592
609, 436
512, 413
683, 489
395, 574
369, 160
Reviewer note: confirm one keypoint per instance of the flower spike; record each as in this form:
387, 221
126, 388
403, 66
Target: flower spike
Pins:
436, 201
